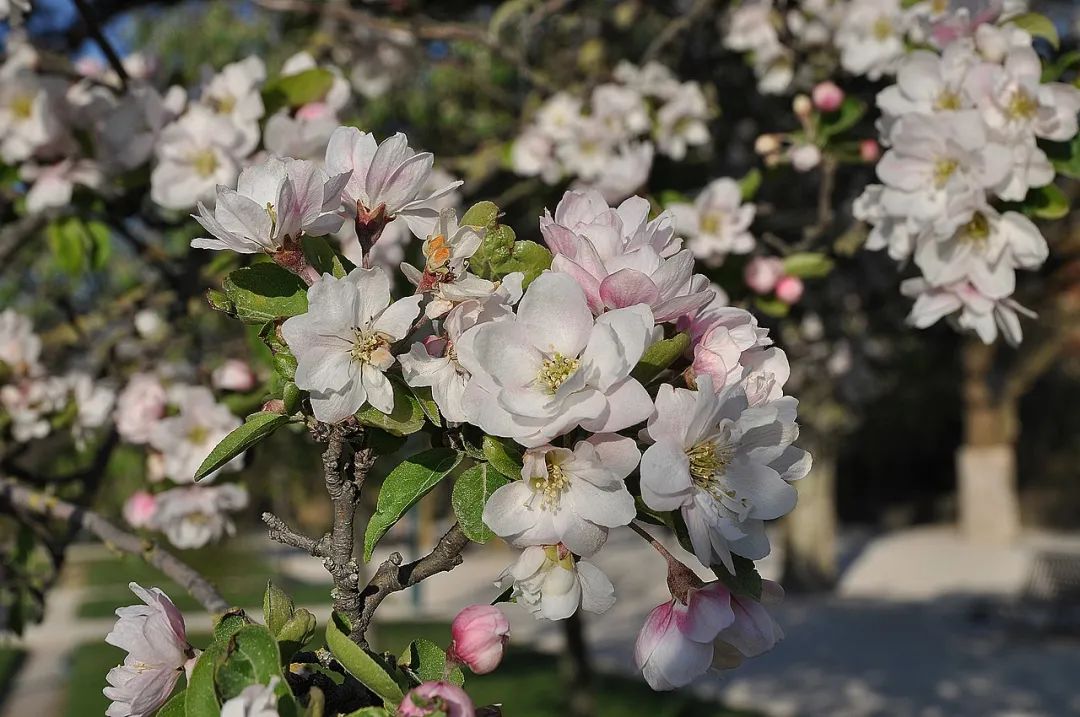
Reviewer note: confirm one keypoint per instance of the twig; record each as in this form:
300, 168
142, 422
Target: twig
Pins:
392, 576
674, 29
344, 494
282, 533
824, 201
96, 32
38, 503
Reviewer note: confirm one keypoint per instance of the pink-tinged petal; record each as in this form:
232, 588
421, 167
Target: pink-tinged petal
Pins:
679, 306
709, 611
754, 631
628, 404
405, 182
665, 477
675, 661
619, 454
627, 287
588, 283
391, 153
560, 240
674, 409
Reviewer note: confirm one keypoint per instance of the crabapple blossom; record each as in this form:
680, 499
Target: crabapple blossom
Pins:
734, 351
726, 465
753, 632
569, 497
20, 347
789, 289
675, 645
139, 509
155, 639
388, 179
870, 36
680, 122
30, 115
194, 516
94, 402
436, 699
718, 222
342, 344
139, 407
762, 273
233, 375
434, 362
195, 154
445, 277
253, 701
974, 311
553, 367
275, 202
53, 185
479, 635
550, 583
235, 95
186, 438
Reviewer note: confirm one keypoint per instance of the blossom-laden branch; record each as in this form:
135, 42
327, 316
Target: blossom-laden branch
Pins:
27, 500
392, 576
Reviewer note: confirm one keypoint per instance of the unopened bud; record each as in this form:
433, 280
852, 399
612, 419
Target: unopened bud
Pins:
479, 634
827, 96
869, 150
789, 290
767, 144
802, 106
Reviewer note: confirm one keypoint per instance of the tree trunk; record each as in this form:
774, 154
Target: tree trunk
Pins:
576, 670
989, 505
810, 557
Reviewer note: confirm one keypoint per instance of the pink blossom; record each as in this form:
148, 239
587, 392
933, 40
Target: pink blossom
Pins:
436, 698
789, 289
479, 634
827, 96
139, 407
675, 646
869, 150
762, 273
155, 638
139, 509
314, 111
233, 375
753, 632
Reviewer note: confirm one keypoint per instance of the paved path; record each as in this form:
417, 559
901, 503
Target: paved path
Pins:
910, 646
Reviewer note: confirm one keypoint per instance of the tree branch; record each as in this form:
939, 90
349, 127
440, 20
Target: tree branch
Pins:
673, 29
282, 533
35, 502
392, 576
344, 495
98, 34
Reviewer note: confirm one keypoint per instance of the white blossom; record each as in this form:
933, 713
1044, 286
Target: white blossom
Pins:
445, 278
235, 94
551, 584
186, 438
195, 154
195, 516
718, 222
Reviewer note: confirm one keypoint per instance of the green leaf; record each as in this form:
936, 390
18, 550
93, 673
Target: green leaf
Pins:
324, 258
370, 712
278, 608
1053, 71
297, 90
264, 292
659, 356
808, 265
290, 396
427, 661
295, 633
749, 184
407, 483
745, 581
771, 306
1047, 202
257, 427
1065, 156
1038, 26
251, 658
229, 623
670, 196
843, 119
202, 698
481, 214
361, 664
427, 404
528, 257
174, 707
503, 455
68, 244
471, 492
406, 417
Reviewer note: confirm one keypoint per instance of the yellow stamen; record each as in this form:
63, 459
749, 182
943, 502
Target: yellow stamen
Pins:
205, 162
943, 170
551, 486
556, 370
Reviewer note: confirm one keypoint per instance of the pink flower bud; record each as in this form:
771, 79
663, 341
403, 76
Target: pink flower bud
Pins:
762, 273
139, 509
827, 96
233, 375
314, 111
436, 698
869, 150
435, 345
789, 290
479, 633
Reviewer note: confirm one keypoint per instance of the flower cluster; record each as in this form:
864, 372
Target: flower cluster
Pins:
608, 143
551, 364
35, 403
963, 129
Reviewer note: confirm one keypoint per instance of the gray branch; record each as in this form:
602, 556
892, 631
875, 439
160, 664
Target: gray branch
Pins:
35, 502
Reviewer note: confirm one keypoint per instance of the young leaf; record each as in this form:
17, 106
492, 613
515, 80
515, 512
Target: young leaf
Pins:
322, 256
659, 356
771, 306
406, 484
406, 417
807, 265
503, 455
471, 492
745, 581
229, 623
427, 661
843, 119
297, 90
174, 707
295, 633
361, 664
427, 403
264, 292
257, 427
749, 184
481, 214
1038, 26
251, 658
278, 608
1047, 202
202, 698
